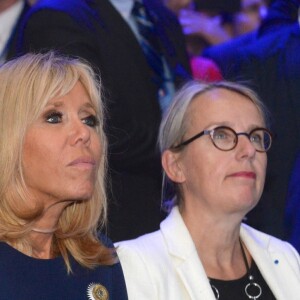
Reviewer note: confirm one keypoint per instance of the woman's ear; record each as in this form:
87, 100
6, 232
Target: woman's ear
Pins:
172, 167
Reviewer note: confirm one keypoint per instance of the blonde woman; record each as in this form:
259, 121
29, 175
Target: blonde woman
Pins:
52, 195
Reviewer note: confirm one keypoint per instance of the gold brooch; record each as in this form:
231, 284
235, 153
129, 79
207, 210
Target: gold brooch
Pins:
97, 291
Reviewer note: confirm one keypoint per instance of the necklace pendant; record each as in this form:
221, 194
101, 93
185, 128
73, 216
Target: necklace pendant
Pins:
253, 290
215, 291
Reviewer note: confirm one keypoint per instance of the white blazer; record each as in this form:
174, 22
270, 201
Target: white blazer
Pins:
165, 264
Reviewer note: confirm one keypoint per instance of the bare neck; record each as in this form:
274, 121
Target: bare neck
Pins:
217, 242
41, 245
42, 233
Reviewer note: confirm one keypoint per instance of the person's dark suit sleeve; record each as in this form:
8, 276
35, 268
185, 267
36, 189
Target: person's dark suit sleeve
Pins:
46, 30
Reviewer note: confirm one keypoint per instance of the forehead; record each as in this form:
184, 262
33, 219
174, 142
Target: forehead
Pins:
76, 95
222, 106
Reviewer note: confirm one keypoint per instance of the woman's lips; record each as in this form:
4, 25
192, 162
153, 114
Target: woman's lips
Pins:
83, 162
244, 174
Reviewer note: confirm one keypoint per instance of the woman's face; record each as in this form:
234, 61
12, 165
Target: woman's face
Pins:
224, 181
62, 150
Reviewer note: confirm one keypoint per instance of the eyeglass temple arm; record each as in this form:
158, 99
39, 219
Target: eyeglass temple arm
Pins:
190, 139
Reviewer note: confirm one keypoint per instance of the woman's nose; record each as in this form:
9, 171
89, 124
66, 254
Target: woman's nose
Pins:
80, 133
245, 149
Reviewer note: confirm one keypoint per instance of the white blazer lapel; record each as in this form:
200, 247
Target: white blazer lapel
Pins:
185, 258
194, 279
273, 264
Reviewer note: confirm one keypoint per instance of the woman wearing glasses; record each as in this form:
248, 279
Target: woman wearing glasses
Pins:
213, 142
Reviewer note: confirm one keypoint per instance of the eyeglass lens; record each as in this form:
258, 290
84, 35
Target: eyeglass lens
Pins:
226, 138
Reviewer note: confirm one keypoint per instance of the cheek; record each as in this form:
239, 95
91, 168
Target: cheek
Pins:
96, 147
262, 166
205, 167
30, 153
40, 156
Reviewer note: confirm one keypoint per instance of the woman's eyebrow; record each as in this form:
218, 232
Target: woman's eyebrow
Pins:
55, 103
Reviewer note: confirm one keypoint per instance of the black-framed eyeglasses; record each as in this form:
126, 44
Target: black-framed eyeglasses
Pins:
225, 138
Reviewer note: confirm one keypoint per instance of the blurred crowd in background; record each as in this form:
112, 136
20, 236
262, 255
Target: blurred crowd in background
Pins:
206, 23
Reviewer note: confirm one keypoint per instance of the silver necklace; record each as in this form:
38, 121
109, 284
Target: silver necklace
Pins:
252, 290
45, 231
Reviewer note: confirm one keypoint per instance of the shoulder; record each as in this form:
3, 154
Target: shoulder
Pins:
143, 248
142, 260
157, 245
76, 9
224, 50
52, 23
58, 5
268, 242
270, 44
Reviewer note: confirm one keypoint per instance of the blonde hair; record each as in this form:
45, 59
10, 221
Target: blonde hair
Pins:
26, 85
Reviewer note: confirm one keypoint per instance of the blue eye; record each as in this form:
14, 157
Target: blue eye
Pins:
91, 121
221, 134
54, 117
